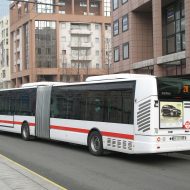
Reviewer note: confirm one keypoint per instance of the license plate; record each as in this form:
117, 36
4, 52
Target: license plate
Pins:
178, 138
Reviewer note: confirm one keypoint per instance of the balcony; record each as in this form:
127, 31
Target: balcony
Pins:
80, 32
81, 44
81, 58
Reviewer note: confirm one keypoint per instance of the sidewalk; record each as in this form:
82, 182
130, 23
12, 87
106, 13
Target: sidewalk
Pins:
16, 177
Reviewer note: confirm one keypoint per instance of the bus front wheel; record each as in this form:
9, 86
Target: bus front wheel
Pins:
25, 132
95, 144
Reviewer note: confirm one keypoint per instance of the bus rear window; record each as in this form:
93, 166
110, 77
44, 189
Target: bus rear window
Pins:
173, 88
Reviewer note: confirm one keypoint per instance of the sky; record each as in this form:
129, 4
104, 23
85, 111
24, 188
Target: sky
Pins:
4, 8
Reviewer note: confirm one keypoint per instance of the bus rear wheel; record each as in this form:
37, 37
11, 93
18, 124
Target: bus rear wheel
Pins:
95, 144
25, 132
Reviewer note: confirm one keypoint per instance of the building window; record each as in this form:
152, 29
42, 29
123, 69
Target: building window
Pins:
115, 4
39, 51
7, 57
174, 27
171, 45
116, 54
97, 40
124, 1
183, 40
83, 3
63, 38
107, 27
46, 6
93, 3
116, 27
126, 50
96, 26
3, 74
26, 8
45, 32
107, 8
7, 32
62, 2
63, 25
125, 23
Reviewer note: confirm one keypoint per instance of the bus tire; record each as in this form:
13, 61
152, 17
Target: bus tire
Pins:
95, 144
25, 132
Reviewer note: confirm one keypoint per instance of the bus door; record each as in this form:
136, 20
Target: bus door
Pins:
43, 112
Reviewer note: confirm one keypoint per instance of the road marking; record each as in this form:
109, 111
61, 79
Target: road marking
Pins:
34, 173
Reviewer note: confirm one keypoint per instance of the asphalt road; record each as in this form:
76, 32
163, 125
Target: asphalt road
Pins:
74, 168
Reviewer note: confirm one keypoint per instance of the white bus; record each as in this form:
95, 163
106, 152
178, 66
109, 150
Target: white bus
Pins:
128, 113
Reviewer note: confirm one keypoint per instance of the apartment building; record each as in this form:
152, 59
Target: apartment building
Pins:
151, 36
5, 80
59, 40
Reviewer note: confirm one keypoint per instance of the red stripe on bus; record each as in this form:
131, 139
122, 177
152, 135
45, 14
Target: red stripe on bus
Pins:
5, 121
69, 129
16, 122
20, 123
117, 135
86, 131
32, 124
108, 134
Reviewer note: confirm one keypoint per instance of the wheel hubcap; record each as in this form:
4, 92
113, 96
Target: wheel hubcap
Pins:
24, 132
95, 143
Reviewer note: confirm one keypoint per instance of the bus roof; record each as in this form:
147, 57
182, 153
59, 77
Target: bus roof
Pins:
44, 83
118, 76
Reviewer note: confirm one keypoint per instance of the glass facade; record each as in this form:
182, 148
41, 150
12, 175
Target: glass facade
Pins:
107, 8
26, 46
45, 6
45, 40
174, 27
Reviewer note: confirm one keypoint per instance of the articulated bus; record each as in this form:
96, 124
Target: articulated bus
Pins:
128, 113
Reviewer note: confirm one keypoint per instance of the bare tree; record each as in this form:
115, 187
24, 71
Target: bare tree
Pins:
108, 53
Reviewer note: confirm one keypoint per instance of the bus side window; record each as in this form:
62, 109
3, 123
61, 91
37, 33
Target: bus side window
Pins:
33, 101
95, 106
6, 103
76, 105
114, 101
120, 107
127, 107
58, 107
52, 107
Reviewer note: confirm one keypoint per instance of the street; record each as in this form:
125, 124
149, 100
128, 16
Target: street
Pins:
74, 168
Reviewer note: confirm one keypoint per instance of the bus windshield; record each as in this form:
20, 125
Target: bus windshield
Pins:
173, 88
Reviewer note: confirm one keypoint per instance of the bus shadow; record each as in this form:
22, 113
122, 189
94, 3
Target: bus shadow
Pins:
9, 134
150, 159
51, 143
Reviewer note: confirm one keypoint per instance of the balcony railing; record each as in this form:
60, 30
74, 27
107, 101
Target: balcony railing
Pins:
81, 57
79, 31
81, 44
